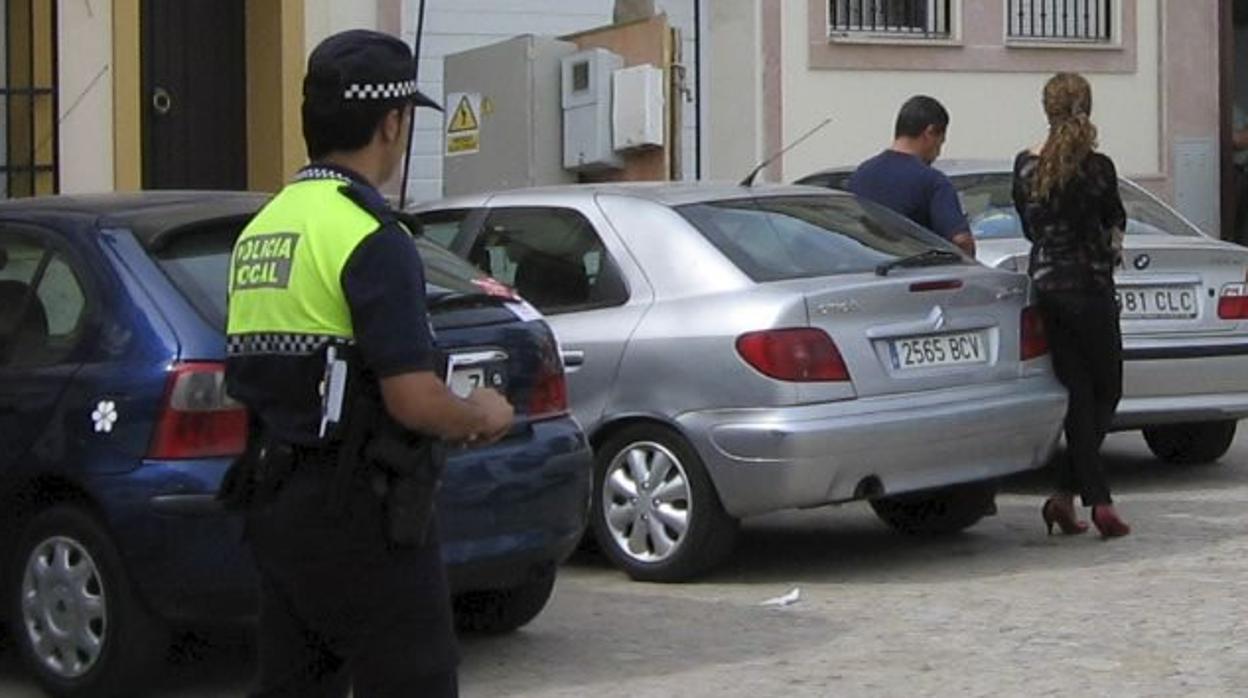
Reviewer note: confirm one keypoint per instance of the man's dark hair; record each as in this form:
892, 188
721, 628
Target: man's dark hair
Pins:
329, 127
917, 114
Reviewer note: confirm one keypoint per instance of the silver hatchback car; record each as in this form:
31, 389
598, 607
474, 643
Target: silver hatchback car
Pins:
1184, 303
734, 351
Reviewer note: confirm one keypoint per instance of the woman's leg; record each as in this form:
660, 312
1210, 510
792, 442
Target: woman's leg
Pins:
1070, 326
1106, 364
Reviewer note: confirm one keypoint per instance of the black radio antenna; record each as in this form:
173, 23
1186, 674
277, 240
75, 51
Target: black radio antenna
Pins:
749, 179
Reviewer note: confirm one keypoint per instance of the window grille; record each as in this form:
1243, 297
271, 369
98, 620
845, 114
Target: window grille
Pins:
29, 135
1062, 20
912, 18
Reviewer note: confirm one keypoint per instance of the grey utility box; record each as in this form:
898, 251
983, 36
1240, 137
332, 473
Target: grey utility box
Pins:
587, 143
511, 93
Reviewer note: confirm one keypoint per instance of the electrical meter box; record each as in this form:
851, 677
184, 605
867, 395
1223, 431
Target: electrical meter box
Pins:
502, 127
637, 108
586, 88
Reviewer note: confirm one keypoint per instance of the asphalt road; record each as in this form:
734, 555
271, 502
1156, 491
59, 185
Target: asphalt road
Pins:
1001, 610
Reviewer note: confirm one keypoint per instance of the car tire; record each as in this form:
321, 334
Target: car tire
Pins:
498, 611
682, 494
1191, 443
937, 512
119, 642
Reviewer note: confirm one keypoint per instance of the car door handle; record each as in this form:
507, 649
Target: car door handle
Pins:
573, 359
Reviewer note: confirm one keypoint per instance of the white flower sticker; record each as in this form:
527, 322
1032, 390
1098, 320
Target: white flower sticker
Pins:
104, 416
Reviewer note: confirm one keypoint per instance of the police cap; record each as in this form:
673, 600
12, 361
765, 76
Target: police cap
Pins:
363, 67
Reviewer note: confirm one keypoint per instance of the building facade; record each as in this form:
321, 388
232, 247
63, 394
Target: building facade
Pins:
452, 26
1158, 68
127, 94
130, 94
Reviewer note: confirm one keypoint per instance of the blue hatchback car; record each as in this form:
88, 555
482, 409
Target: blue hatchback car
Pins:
115, 432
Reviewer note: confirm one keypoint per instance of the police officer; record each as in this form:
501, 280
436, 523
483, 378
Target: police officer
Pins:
327, 318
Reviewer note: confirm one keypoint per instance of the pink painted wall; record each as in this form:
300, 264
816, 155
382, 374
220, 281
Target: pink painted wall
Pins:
1190, 65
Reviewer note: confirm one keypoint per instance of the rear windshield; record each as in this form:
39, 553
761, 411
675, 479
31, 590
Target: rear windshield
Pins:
793, 237
989, 205
197, 260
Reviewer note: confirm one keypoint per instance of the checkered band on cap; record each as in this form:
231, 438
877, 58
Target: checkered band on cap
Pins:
381, 91
278, 343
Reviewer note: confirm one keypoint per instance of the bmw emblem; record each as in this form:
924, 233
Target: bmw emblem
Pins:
1141, 262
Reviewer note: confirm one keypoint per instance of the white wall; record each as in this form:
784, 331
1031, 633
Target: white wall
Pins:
325, 17
734, 90
86, 95
994, 115
452, 26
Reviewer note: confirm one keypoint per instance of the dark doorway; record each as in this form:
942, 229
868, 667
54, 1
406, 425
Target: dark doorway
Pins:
194, 87
1233, 17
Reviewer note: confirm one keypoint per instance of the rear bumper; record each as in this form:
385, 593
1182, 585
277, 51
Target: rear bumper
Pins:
769, 459
504, 511
1168, 384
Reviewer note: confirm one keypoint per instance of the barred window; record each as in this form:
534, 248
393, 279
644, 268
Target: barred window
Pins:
910, 18
1062, 20
28, 99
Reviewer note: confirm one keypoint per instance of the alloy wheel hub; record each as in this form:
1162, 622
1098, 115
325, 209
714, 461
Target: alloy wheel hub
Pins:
63, 607
646, 502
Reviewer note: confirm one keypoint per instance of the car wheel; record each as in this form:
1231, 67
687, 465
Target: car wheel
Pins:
937, 512
1186, 444
497, 611
73, 614
656, 513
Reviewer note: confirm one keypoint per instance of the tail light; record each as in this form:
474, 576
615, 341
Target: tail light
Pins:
1233, 303
1032, 341
801, 355
197, 418
550, 389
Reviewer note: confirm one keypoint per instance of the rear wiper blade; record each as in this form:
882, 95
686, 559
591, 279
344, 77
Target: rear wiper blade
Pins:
456, 299
930, 257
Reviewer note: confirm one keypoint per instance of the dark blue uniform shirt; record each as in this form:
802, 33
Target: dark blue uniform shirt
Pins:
916, 190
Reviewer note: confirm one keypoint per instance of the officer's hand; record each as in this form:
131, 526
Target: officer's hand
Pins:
498, 413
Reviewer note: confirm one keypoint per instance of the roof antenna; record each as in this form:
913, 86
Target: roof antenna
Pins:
749, 180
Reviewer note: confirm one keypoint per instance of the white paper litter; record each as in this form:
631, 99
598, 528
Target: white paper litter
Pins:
787, 600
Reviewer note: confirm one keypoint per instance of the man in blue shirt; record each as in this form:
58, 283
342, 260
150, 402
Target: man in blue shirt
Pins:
903, 179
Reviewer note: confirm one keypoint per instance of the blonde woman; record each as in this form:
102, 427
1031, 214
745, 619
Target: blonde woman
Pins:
1067, 198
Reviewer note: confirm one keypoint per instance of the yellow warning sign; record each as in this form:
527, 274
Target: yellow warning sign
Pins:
463, 145
463, 125
464, 118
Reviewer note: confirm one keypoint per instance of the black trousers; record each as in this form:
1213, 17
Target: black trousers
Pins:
340, 609
1086, 344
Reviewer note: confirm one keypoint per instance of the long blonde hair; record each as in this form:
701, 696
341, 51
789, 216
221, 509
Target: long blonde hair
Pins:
1072, 136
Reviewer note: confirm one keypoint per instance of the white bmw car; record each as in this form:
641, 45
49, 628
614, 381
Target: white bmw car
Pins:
1184, 310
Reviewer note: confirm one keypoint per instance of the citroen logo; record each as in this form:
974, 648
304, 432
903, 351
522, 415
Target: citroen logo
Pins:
938, 318
1142, 261
838, 307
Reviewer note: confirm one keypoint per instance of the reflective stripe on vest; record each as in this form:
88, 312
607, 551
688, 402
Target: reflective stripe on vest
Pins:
286, 268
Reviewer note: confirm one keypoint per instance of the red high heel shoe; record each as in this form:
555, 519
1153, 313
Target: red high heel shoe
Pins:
1106, 519
1064, 518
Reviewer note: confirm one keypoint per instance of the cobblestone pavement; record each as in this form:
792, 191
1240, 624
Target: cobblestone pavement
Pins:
1000, 610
